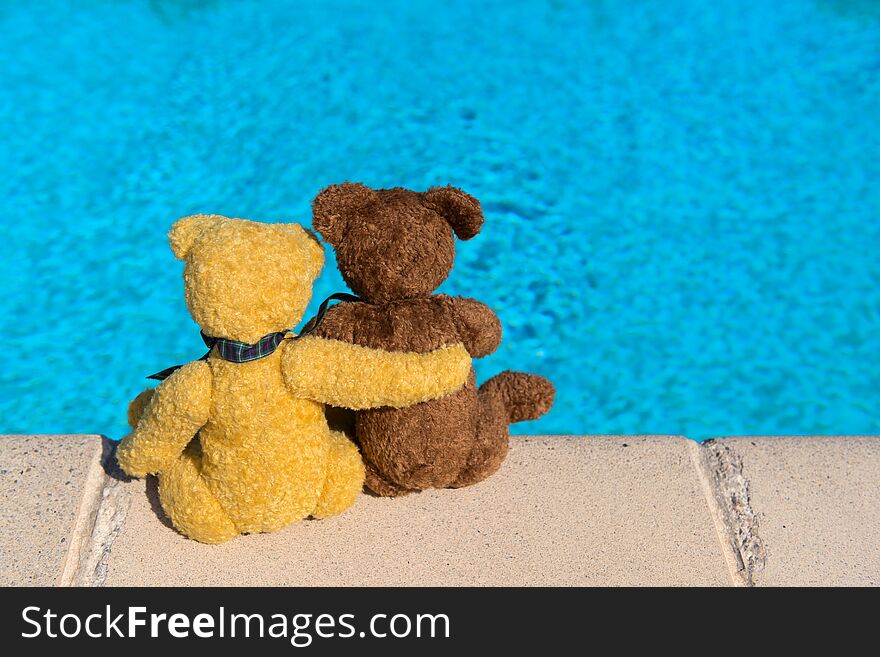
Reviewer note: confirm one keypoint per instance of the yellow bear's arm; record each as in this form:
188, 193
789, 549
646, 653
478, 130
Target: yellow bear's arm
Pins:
178, 408
138, 405
351, 376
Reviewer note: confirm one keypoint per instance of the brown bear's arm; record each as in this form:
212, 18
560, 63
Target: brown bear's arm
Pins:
352, 322
416, 325
478, 326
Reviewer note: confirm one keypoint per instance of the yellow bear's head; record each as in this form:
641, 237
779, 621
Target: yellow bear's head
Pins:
245, 279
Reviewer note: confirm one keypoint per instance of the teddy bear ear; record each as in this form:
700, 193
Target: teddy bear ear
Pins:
186, 231
460, 209
313, 245
336, 205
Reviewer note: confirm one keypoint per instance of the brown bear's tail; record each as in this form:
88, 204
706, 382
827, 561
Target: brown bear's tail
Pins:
524, 396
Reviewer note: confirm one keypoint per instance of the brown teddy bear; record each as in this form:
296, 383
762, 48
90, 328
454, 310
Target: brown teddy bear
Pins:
394, 247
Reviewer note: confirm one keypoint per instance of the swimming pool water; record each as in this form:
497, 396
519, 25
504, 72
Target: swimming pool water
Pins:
682, 199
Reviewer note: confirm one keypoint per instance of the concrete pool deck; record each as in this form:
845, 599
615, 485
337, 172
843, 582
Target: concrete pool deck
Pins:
563, 510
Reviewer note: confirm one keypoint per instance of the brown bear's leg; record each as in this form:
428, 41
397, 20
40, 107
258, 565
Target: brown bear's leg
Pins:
380, 485
506, 398
491, 441
419, 447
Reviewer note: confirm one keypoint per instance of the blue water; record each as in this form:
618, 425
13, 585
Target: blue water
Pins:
682, 198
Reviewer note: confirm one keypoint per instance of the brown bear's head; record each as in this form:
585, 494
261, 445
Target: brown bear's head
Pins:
394, 243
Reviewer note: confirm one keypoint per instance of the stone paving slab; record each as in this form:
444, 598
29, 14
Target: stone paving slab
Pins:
562, 511
816, 507
645, 510
46, 484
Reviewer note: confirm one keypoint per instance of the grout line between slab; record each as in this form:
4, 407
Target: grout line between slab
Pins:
103, 510
733, 492
732, 559
109, 522
81, 531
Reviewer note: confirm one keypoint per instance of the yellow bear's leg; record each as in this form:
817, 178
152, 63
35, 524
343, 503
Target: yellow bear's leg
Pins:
190, 504
345, 477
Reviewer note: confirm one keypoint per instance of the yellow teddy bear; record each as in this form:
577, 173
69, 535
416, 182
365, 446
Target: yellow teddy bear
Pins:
264, 456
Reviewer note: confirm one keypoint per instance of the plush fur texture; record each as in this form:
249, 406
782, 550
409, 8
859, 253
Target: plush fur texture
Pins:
264, 456
394, 247
396, 379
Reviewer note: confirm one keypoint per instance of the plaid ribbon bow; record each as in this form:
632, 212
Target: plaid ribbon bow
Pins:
243, 352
